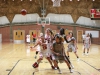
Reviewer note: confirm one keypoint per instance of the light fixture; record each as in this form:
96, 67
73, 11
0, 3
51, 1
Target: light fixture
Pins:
21, 0
30, 0
78, 0
93, 0
70, 0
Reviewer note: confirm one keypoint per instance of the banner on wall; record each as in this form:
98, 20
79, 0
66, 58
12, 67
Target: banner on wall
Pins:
95, 14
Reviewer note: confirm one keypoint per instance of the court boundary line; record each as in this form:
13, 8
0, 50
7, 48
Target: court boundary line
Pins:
40, 70
90, 65
14, 67
58, 73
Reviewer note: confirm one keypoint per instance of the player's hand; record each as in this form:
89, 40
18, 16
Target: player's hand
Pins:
31, 47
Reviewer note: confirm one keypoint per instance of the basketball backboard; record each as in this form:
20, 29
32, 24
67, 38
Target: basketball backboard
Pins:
43, 21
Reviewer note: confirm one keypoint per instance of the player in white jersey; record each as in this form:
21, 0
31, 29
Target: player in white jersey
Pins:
87, 43
72, 46
49, 36
49, 39
28, 38
43, 51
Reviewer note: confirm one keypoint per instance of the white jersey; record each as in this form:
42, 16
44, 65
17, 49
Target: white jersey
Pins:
86, 40
43, 51
43, 48
27, 38
71, 46
48, 41
49, 44
69, 39
83, 36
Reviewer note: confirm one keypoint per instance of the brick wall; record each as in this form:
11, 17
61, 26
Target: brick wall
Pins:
7, 32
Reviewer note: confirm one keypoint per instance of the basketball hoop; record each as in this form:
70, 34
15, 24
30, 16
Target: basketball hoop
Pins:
43, 21
56, 3
43, 24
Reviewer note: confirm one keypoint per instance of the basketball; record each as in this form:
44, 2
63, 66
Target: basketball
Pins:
23, 12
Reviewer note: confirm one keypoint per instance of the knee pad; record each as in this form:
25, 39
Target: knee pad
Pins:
35, 65
36, 52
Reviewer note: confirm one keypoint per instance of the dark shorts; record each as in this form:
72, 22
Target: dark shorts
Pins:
34, 39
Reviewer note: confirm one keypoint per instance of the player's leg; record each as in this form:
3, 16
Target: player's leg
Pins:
36, 64
50, 61
69, 66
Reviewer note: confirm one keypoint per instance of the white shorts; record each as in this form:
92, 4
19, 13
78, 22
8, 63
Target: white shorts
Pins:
43, 54
49, 52
53, 57
28, 40
38, 48
86, 45
71, 48
58, 58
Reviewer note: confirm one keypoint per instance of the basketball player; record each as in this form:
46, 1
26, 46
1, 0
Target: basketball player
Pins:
34, 38
43, 51
62, 33
72, 46
83, 36
28, 39
59, 53
38, 47
87, 42
49, 37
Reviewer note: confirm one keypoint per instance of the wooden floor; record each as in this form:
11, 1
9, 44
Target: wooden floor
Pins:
17, 59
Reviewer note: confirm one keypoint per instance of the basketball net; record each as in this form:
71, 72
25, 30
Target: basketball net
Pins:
56, 3
43, 24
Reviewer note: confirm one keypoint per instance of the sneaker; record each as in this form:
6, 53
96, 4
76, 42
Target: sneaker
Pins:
71, 71
83, 54
87, 54
72, 66
55, 68
68, 57
78, 59
52, 67
59, 71
35, 57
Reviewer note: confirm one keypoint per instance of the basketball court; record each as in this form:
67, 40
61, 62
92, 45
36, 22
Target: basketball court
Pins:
19, 18
17, 59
